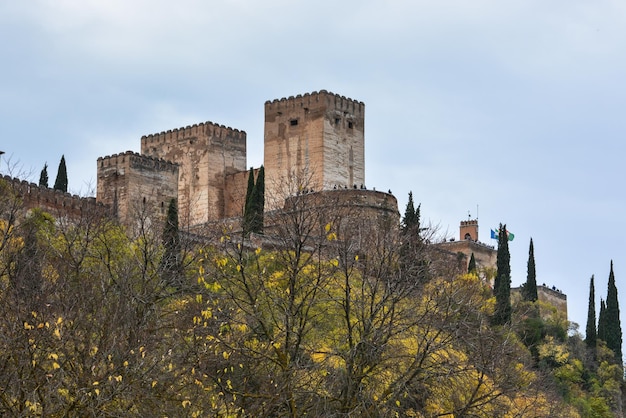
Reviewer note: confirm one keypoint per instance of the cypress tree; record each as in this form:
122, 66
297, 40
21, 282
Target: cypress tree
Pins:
409, 214
591, 334
61, 181
417, 217
612, 322
471, 268
601, 334
43, 176
171, 262
411, 219
258, 202
248, 204
502, 283
529, 291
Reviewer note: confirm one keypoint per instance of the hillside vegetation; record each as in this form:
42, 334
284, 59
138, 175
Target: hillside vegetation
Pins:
317, 319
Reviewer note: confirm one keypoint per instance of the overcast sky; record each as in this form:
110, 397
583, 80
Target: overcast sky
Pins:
515, 108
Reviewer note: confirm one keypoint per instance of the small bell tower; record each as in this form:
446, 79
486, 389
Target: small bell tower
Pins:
469, 230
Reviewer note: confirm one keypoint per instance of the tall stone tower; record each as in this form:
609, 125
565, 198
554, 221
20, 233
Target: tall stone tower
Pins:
206, 154
469, 230
129, 182
312, 141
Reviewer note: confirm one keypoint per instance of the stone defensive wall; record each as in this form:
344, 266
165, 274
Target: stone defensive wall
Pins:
53, 201
314, 100
553, 297
356, 209
129, 179
350, 198
205, 129
235, 192
484, 254
550, 296
135, 160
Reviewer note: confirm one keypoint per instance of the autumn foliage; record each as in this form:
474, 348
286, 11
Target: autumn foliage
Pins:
325, 321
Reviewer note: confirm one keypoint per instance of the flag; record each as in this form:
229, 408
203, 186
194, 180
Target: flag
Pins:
509, 235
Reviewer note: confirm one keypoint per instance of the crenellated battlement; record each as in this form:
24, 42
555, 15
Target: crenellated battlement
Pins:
204, 129
135, 160
316, 99
51, 200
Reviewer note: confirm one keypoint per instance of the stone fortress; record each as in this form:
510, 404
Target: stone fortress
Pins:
313, 142
486, 257
313, 147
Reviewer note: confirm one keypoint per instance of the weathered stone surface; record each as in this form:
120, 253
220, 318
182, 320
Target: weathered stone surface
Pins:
206, 154
314, 141
129, 182
53, 201
552, 297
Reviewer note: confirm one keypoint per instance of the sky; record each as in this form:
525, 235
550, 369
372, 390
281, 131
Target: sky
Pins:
505, 111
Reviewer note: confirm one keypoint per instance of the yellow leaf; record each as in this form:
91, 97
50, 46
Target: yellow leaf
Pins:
97, 391
186, 403
55, 365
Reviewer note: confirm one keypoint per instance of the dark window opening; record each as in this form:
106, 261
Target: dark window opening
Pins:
337, 120
293, 122
350, 125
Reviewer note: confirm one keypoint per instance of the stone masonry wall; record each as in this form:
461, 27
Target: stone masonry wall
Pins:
206, 153
312, 141
129, 182
235, 193
53, 201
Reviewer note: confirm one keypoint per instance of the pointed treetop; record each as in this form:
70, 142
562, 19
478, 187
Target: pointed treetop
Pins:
471, 267
502, 283
61, 180
43, 176
601, 334
411, 219
613, 331
529, 291
591, 333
